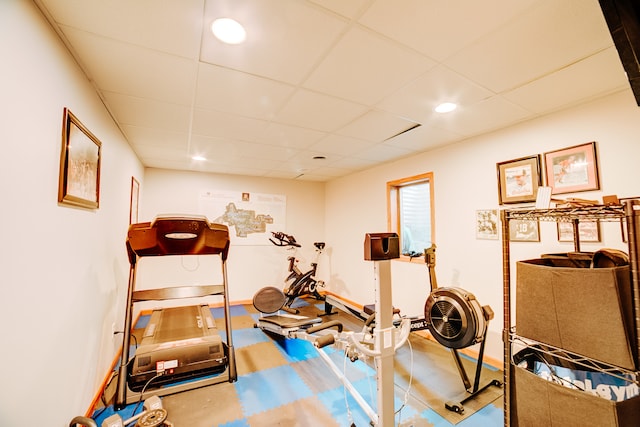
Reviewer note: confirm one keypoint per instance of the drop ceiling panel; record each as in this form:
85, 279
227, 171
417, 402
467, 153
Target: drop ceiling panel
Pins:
332, 77
533, 45
440, 28
129, 110
285, 38
232, 92
318, 111
423, 138
353, 163
138, 135
132, 70
172, 26
488, 115
597, 75
340, 145
366, 67
383, 153
376, 126
418, 99
290, 136
159, 153
349, 9
218, 124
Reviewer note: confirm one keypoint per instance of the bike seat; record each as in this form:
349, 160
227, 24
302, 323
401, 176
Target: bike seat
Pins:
319, 245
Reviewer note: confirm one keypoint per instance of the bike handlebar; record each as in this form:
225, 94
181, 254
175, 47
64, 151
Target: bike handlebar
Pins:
283, 239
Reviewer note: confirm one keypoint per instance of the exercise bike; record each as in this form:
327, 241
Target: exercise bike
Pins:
298, 283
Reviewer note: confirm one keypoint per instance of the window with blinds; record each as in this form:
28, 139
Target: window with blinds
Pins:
410, 213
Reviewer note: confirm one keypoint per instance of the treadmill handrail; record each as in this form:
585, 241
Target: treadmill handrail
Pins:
177, 292
177, 235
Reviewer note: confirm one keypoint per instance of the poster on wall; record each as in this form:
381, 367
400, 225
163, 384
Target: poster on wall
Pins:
250, 216
487, 224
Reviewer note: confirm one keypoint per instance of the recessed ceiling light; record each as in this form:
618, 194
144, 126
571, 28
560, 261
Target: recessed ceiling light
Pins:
446, 107
199, 158
228, 31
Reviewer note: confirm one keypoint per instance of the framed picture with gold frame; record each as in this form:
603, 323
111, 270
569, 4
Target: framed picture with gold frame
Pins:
79, 182
519, 179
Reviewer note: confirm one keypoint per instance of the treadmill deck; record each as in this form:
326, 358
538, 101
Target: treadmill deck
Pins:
178, 343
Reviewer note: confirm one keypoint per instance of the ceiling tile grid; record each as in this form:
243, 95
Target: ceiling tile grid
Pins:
354, 83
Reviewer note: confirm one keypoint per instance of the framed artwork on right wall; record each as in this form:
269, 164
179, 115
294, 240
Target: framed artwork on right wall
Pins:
572, 169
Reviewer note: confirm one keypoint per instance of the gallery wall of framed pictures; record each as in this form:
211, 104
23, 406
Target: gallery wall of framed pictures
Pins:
568, 170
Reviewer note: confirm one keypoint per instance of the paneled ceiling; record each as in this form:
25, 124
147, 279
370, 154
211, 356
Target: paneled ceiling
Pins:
324, 88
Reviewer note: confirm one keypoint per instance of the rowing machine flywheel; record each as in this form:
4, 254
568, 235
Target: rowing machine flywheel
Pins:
455, 318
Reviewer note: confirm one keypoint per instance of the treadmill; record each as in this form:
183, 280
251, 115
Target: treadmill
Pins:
179, 343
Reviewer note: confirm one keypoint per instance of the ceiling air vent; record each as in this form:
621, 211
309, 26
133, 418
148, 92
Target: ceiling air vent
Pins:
409, 129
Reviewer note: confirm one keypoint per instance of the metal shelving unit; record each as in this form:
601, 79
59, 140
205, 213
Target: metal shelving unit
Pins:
629, 211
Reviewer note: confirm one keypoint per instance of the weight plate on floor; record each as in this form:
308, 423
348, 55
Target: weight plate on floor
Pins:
153, 418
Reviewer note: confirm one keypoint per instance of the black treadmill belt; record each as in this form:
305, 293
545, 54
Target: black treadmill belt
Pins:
179, 323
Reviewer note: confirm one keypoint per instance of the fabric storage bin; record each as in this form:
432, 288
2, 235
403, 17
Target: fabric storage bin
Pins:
587, 311
540, 402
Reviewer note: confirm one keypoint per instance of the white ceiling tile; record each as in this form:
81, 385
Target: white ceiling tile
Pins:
341, 145
172, 26
329, 171
383, 153
594, 76
218, 124
227, 148
330, 77
424, 138
217, 150
350, 8
485, 116
239, 93
534, 44
281, 174
138, 135
439, 28
144, 112
285, 38
365, 68
353, 163
376, 126
289, 136
417, 100
132, 70
318, 111
159, 153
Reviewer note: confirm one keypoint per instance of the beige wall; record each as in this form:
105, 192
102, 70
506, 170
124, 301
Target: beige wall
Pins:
249, 267
465, 181
63, 271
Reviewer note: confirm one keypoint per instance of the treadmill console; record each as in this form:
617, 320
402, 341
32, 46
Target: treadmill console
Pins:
177, 235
